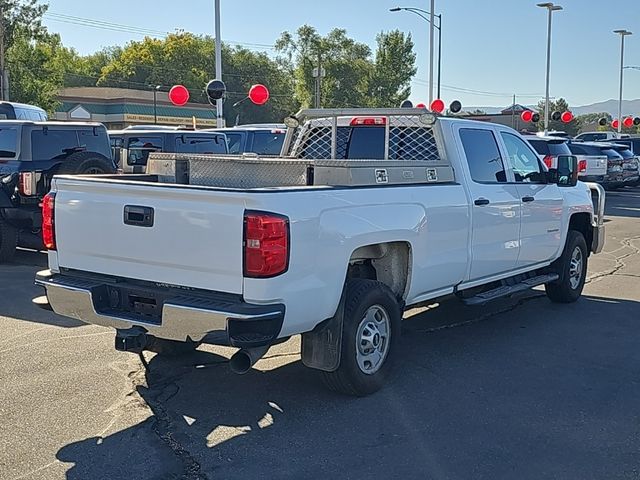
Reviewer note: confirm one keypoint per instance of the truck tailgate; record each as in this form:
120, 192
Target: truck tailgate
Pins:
596, 165
195, 239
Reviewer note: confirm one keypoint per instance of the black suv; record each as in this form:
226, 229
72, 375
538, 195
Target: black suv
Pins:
131, 147
31, 153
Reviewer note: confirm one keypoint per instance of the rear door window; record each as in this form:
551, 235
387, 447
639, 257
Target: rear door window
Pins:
49, 143
267, 143
201, 144
95, 140
139, 148
481, 149
8, 142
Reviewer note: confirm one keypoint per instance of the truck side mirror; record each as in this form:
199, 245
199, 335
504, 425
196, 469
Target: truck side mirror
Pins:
566, 174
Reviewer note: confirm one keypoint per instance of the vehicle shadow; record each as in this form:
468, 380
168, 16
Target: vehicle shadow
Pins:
17, 289
501, 393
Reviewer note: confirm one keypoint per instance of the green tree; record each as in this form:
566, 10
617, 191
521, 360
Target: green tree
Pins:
394, 67
19, 20
560, 105
589, 121
37, 69
346, 64
188, 59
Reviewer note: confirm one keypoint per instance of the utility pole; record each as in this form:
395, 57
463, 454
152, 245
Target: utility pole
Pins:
513, 113
219, 112
318, 73
4, 91
622, 33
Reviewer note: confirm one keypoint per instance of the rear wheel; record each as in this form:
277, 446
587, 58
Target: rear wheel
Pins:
8, 241
371, 330
572, 268
171, 348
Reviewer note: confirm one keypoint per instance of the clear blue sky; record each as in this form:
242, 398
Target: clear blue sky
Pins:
495, 46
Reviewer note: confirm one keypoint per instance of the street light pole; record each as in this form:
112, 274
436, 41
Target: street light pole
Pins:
551, 8
622, 33
155, 103
431, 38
423, 14
219, 112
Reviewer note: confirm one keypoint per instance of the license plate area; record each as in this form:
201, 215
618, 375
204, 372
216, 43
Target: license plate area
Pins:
136, 304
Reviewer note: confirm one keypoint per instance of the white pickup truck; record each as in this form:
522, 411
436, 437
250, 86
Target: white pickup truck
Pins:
367, 213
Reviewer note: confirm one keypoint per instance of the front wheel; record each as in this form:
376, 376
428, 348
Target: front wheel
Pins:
572, 268
370, 334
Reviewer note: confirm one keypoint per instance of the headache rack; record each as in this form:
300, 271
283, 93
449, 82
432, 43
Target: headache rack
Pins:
319, 149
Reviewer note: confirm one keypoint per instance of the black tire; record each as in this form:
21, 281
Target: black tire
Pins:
569, 287
83, 163
8, 241
170, 348
361, 296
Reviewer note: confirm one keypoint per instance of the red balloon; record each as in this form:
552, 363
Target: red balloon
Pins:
179, 95
628, 122
566, 117
615, 123
259, 94
526, 116
421, 105
437, 106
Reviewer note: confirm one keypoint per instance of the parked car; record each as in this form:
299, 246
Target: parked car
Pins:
254, 139
22, 111
592, 163
549, 148
131, 148
599, 136
632, 142
31, 153
557, 133
256, 250
630, 173
614, 177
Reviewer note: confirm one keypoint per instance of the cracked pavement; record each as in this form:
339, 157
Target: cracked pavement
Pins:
520, 388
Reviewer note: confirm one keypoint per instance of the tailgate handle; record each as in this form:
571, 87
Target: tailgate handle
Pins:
138, 216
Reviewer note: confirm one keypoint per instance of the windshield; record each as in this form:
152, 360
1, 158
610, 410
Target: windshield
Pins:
545, 147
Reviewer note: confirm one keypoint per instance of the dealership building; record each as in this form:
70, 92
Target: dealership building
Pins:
118, 108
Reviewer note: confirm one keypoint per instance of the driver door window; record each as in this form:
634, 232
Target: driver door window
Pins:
524, 162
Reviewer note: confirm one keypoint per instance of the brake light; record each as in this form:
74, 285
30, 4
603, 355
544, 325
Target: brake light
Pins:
548, 161
582, 166
357, 121
48, 221
266, 244
27, 184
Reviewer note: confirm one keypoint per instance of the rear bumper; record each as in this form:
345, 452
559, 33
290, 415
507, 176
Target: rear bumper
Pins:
592, 178
162, 312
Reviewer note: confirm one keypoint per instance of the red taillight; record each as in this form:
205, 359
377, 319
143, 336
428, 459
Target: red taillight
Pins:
582, 166
27, 184
48, 221
548, 161
356, 121
266, 244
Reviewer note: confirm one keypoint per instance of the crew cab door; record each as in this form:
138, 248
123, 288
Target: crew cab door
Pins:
540, 231
495, 205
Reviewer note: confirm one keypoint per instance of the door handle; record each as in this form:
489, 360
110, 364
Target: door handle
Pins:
527, 199
138, 216
481, 201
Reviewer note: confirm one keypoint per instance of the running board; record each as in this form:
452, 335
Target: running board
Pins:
507, 290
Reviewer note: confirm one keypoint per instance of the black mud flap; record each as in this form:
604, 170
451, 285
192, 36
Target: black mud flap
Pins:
322, 346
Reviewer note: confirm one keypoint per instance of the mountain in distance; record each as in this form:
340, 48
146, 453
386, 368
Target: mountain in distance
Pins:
629, 107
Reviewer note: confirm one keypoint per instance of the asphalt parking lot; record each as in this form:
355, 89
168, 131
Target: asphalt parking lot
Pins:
518, 389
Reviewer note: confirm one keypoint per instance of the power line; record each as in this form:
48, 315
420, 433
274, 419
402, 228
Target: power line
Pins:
135, 30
